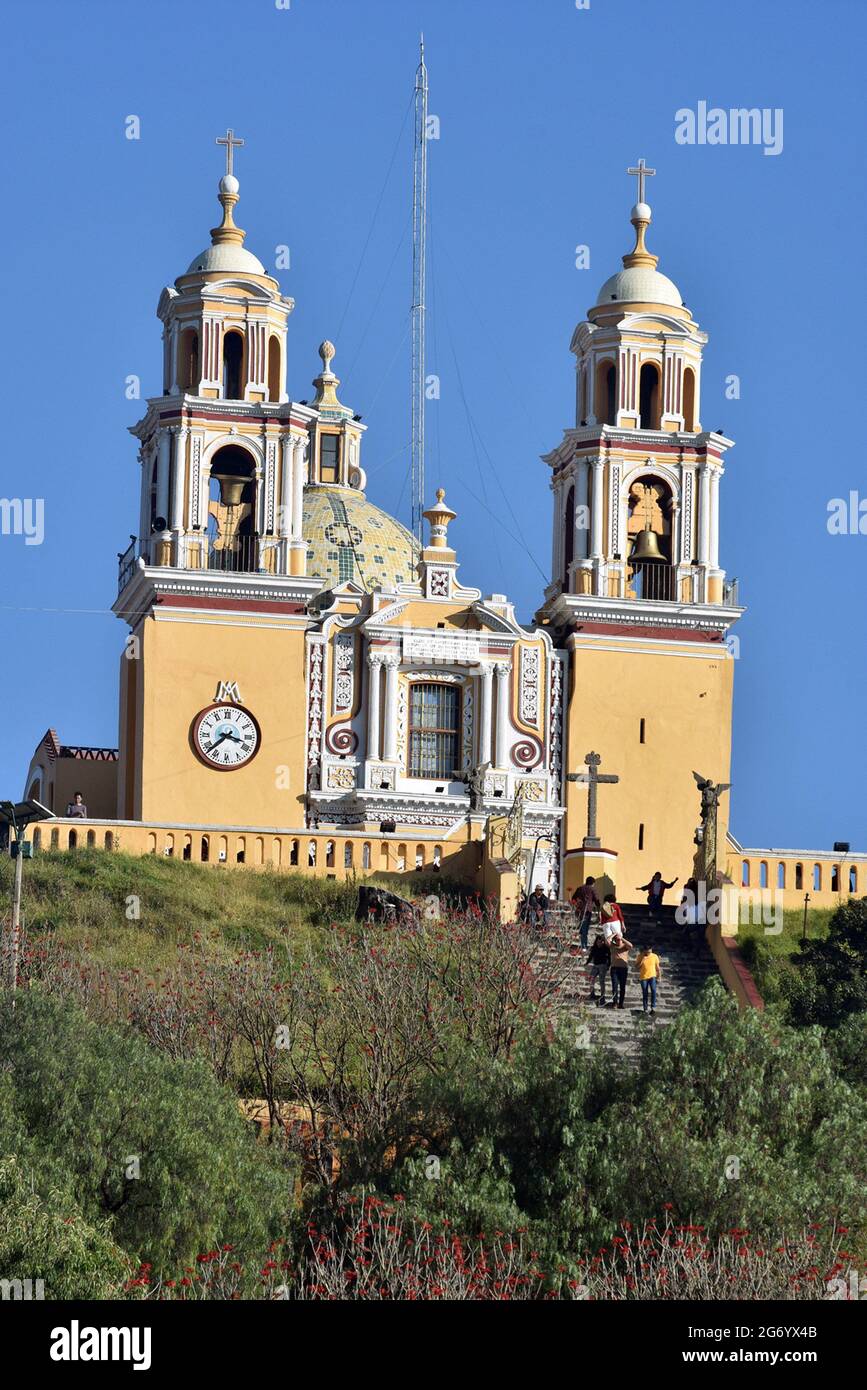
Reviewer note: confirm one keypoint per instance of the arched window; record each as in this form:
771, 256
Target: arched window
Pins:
365, 856
383, 856
91, 839
781, 875
233, 362
205, 849
347, 855
569, 537
853, 879
188, 847
419, 856
606, 393
763, 875
437, 856
689, 420
648, 396
401, 858
55, 839
817, 878
72, 841
273, 368
37, 839
152, 499
434, 729
188, 361
835, 878
745, 874
311, 855
293, 853
232, 484
799, 876
329, 854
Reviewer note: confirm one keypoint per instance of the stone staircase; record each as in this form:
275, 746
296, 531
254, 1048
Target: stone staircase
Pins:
684, 967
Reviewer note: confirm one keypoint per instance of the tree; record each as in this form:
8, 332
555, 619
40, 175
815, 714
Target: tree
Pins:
830, 977
154, 1147
48, 1238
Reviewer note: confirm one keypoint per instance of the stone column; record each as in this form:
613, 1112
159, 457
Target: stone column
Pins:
287, 455
176, 518
704, 515
391, 664
163, 465
374, 667
298, 490
501, 757
596, 510
714, 519
486, 681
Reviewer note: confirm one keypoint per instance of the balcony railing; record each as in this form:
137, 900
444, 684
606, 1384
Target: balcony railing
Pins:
199, 552
653, 579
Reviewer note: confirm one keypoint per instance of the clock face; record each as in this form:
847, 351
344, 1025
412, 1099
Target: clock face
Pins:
225, 736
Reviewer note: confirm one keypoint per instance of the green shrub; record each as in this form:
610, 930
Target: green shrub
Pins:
156, 1149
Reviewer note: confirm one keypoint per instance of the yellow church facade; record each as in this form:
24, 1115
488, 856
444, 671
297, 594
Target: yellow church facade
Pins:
303, 687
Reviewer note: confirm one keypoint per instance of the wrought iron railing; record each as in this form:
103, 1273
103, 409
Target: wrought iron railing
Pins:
653, 579
200, 552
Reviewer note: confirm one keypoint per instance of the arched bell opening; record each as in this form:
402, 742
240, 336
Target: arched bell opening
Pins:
232, 510
689, 417
233, 365
648, 396
569, 536
606, 393
650, 572
188, 361
274, 368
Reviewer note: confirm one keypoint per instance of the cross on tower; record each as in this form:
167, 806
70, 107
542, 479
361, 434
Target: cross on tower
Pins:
642, 172
592, 777
231, 143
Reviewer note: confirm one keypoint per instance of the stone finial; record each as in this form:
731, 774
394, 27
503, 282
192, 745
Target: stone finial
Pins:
438, 517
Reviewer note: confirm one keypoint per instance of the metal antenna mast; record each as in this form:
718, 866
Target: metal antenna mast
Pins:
419, 244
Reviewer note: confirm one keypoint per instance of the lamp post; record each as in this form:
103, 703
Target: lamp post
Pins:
546, 836
804, 929
17, 816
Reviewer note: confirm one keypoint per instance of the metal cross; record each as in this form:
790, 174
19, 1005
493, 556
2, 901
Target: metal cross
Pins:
231, 143
592, 777
642, 173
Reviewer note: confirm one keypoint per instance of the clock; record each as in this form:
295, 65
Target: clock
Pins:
225, 737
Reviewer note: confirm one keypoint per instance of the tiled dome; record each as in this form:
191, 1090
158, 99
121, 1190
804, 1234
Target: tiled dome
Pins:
348, 538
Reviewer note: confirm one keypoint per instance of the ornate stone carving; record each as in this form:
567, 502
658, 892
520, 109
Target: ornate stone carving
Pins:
344, 650
341, 777
314, 711
529, 694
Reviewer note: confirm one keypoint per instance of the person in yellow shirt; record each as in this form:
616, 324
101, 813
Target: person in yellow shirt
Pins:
649, 973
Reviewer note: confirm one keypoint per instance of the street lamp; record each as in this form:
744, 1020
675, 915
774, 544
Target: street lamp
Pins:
548, 836
18, 815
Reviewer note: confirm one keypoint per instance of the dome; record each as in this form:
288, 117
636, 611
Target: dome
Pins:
640, 284
227, 255
348, 538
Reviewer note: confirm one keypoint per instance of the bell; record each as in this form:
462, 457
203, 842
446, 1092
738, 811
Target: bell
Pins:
231, 489
646, 547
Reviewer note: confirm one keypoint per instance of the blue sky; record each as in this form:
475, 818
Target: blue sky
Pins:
541, 107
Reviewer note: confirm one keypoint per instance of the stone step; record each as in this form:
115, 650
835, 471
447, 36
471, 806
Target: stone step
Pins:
685, 967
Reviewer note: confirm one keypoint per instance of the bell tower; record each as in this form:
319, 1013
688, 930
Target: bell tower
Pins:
213, 585
636, 482
637, 590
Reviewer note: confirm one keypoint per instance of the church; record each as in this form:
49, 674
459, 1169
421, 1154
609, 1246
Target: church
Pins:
303, 685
